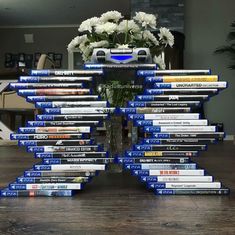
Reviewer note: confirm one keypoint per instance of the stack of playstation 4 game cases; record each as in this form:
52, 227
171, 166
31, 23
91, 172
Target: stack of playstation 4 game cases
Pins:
173, 131
61, 136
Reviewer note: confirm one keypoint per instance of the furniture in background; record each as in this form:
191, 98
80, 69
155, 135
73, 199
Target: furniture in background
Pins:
30, 61
45, 62
12, 106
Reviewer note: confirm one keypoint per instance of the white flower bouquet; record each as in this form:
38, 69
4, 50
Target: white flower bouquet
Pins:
110, 30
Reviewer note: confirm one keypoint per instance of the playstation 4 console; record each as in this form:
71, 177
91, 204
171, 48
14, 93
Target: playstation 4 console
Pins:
121, 56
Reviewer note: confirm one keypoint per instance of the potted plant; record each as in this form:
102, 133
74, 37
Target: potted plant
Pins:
110, 30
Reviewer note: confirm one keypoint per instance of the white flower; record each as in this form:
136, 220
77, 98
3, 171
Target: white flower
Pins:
108, 28
76, 41
102, 43
83, 44
128, 25
111, 15
145, 19
88, 24
148, 36
122, 46
159, 61
166, 37
86, 49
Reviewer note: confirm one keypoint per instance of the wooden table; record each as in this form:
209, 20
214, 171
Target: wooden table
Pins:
116, 203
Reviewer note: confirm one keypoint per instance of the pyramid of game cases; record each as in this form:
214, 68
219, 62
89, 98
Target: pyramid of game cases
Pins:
167, 115
61, 137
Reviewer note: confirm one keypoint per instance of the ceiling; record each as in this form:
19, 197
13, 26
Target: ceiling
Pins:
26, 13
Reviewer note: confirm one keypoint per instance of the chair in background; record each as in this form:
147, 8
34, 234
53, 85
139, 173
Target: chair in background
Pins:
12, 105
45, 62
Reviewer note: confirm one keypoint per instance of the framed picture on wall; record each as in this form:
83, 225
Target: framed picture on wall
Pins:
21, 57
51, 55
58, 60
20, 62
57, 64
8, 57
15, 58
58, 56
28, 57
29, 61
9, 63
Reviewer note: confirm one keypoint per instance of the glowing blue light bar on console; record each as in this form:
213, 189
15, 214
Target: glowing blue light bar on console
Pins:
121, 57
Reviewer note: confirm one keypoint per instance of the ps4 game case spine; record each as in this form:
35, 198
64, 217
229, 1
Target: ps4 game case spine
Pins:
183, 185
150, 179
47, 98
72, 104
69, 73
48, 161
44, 180
164, 104
161, 166
221, 191
62, 123
48, 148
53, 136
153, 160
183, 78
171, 98
190, 85
200, 141
36, 193
33, 173
73, 117
45, 186
81, 142
72, 155
53, 79
16, 86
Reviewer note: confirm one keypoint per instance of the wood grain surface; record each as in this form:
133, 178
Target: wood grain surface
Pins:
116, 203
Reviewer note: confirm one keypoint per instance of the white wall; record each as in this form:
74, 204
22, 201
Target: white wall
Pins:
45, 40
206, 27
